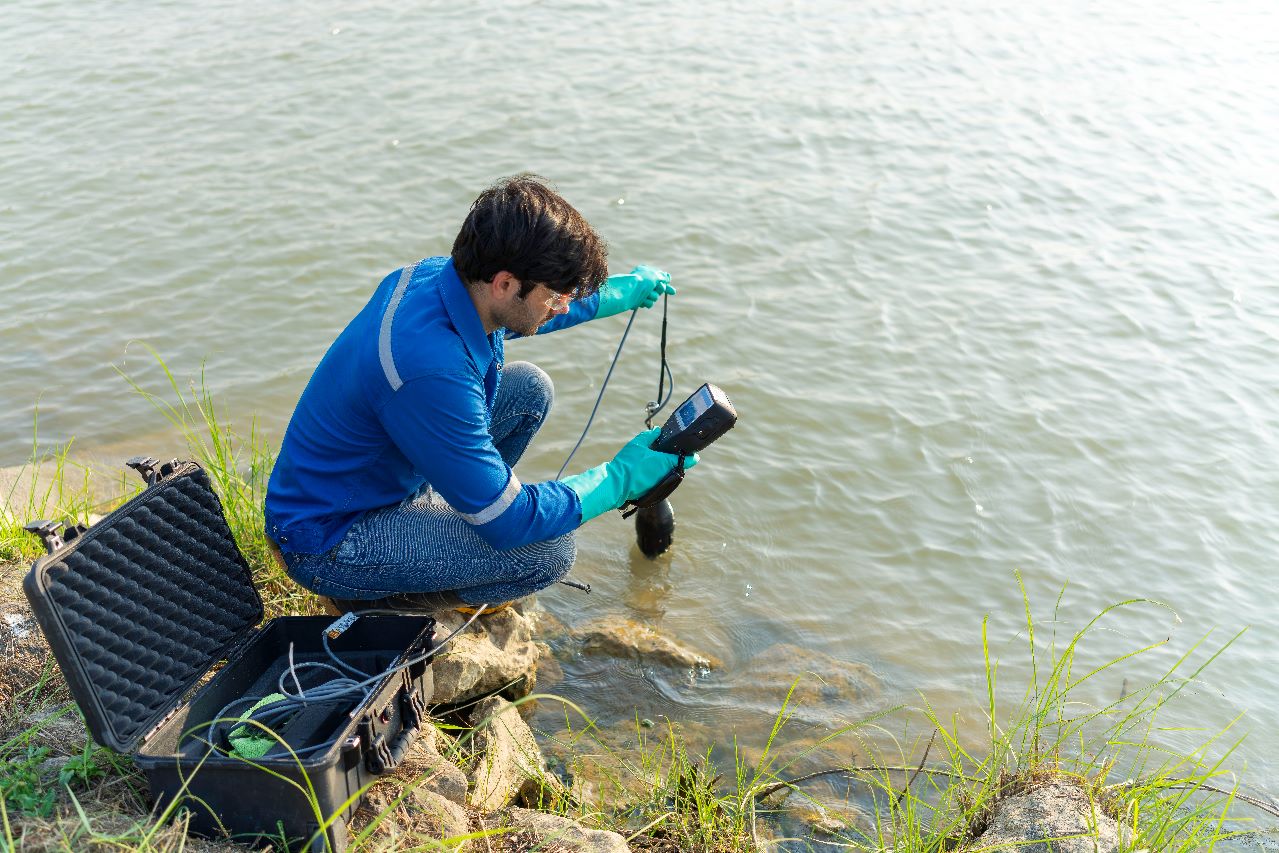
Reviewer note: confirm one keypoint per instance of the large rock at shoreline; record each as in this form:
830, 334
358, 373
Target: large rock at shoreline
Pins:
404, 819
508, 763
96, 481
496, 654
618, 637
1060, 809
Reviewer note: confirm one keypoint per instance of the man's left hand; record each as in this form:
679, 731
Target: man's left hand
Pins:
639, 288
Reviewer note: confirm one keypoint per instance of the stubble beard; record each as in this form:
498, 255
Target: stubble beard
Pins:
538, 325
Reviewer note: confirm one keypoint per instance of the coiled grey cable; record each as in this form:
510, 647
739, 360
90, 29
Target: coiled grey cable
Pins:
331, 691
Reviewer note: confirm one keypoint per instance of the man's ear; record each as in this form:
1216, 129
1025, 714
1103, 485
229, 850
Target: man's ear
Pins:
503, 286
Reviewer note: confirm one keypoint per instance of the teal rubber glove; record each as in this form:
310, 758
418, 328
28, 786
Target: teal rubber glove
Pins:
633, 471
639, 288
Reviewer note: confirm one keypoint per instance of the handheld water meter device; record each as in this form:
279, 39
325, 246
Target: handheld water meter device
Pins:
697, 422
693, 426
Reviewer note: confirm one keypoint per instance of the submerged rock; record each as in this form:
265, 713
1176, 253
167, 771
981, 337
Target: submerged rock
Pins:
827, 820
601, 765
549, 671
822, 680
1059, 809
548, 627
628, 638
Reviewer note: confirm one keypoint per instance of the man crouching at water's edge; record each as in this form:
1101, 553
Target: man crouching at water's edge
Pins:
394, 485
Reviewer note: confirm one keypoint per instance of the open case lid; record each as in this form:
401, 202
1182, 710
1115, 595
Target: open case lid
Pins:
139, 606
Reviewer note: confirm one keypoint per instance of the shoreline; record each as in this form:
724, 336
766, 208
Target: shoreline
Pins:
497, 773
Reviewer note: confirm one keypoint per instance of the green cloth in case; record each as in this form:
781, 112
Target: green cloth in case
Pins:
251, 741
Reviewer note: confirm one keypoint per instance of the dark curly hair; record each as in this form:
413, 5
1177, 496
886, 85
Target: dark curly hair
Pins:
523, 226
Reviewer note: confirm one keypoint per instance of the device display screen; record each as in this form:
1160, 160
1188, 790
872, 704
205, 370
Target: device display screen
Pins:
693, 407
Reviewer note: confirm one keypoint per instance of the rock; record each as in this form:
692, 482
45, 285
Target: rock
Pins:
829, 825
545, 791
402, 819
823, 681
22, 645
51, 767
22, 648
496, 654
436, 773
1056, 809
548, 627
549, 671
804, 754
444, 818
61, 729
30, 491
824, 820
627, 638
507, 762
604, 782
542, 831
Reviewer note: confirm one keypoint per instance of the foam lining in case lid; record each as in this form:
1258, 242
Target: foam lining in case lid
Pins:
142, 604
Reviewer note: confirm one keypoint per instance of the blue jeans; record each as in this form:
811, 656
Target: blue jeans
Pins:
423, 545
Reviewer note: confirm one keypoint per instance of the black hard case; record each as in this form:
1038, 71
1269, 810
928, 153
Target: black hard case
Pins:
140, 606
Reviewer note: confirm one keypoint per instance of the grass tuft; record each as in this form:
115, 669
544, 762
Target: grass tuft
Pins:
239, 467
49, 486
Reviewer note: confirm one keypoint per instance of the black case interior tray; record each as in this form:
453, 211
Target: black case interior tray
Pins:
360, 739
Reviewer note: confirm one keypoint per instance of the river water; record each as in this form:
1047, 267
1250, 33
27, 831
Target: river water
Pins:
991, 284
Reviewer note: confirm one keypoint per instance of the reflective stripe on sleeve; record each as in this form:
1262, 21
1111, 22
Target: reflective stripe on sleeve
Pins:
499, 506
384, 334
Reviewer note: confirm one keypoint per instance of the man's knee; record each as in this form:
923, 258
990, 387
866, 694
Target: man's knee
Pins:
532, 383
551, 559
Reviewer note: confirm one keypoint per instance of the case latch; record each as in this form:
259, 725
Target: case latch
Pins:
49, 534
412, 706
379, 758
150, 468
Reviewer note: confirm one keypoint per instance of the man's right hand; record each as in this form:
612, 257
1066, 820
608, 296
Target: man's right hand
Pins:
635, 470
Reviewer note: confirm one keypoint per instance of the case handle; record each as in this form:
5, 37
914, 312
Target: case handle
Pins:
382, 756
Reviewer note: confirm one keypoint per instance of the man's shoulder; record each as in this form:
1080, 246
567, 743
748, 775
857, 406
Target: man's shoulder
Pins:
416, 330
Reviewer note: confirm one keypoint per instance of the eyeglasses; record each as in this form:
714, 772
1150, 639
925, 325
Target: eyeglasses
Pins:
559, 301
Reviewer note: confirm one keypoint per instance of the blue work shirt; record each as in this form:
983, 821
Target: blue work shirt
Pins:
402, 398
